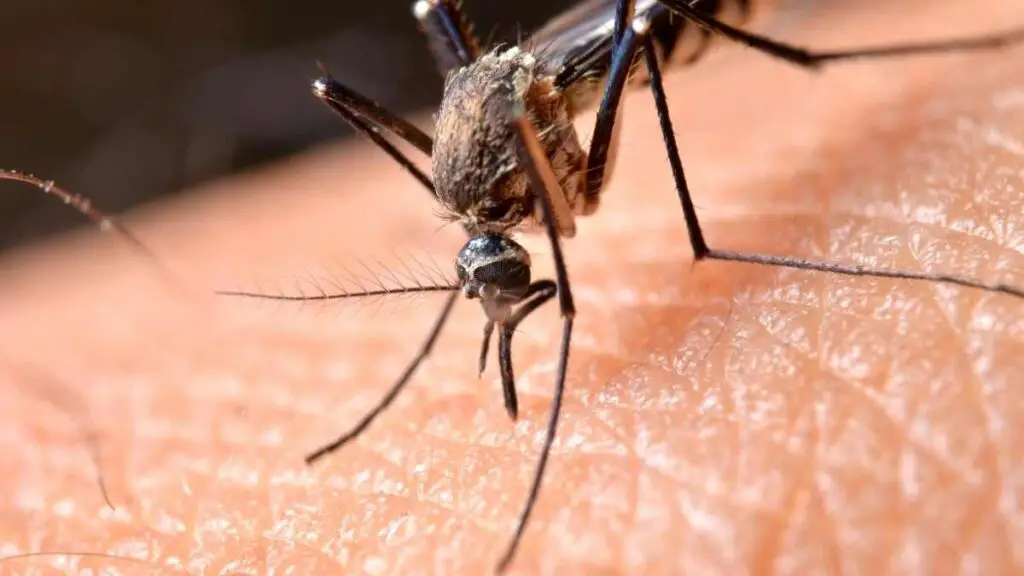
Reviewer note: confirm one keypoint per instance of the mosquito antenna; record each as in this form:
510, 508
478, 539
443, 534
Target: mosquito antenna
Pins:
384, 282
338, 295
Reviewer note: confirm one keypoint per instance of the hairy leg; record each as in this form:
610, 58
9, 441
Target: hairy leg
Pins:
719, 418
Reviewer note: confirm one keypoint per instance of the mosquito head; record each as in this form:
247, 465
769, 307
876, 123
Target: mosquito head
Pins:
495, 269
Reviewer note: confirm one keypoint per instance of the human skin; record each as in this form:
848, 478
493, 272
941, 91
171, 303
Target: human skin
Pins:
719, 418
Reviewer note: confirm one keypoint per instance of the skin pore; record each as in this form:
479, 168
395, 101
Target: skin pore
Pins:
719, 418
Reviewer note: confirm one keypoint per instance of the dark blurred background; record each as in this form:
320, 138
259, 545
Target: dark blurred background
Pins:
127, 101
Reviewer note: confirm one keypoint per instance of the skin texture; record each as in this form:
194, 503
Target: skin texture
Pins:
720, 418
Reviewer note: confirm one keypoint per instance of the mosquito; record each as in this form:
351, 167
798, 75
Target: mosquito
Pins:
506, 158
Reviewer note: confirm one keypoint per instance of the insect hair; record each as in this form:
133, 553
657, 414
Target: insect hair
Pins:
366, 281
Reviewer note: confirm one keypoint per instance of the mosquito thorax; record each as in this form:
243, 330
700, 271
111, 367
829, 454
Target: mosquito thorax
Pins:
495, 269
476, 173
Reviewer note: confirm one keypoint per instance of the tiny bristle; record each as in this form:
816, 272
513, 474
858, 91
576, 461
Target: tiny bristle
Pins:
364, 281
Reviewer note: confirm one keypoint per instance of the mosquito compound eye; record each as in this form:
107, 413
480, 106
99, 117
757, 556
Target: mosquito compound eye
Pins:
510, 278
495, 262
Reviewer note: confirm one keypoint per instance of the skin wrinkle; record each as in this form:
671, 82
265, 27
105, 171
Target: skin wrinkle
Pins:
722, 466
980, 509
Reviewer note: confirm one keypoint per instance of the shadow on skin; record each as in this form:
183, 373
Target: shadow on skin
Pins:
720, 418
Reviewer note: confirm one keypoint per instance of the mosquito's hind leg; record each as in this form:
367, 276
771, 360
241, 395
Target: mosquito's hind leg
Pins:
702, 251
814, 59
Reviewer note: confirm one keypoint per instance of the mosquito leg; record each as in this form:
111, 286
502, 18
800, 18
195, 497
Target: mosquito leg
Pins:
395, 388
808, 59
367, 117
338, 96
538, 294
485, 346
623, 12
449, 33
543, 182
602, 140
702, 251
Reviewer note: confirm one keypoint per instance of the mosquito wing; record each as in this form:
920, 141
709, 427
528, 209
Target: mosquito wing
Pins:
577, 44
